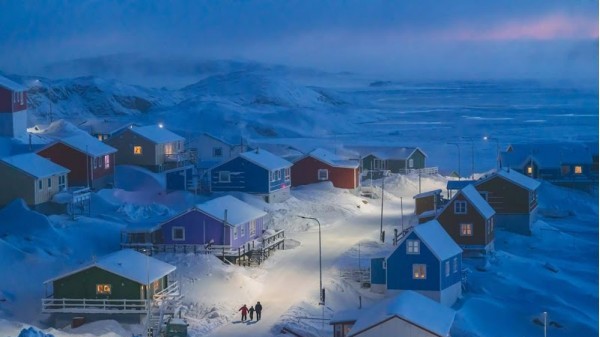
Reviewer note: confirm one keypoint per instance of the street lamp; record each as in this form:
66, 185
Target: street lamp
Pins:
472, 140
498, 163
148, 303
458, 147
321, 293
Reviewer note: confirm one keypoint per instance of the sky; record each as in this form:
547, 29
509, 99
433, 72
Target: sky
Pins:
411, 39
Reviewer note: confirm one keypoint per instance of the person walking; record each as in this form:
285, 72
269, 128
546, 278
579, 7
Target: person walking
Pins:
251, 312
244, 311
258, 309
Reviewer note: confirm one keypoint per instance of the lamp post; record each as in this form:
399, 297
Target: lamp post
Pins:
498, 164
458, 147
382, 195
472, 140
148, 303
321, 294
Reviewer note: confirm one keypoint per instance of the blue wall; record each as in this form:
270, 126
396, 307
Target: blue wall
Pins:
399, 268
246, 177
377, 271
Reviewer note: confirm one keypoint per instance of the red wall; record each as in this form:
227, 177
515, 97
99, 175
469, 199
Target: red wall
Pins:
305, 171
6, 103
77, 162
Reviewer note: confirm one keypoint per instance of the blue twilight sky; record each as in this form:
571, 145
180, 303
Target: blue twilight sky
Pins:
405, 38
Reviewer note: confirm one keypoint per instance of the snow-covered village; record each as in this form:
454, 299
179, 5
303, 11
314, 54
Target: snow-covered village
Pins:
315, 168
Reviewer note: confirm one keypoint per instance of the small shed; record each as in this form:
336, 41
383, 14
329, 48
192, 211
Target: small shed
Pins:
428, 201
322, 165
13, 109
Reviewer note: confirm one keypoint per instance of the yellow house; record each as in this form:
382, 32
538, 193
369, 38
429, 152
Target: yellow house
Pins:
33, 178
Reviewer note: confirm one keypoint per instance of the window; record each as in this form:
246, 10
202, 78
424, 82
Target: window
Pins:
103, 289
323, 174
156, 285
413, 246
235, 233
224, 177
384, 264
565, 169
455, 265
95, 161
61, 182
466, 229
272, 176
242, 231
491, 225
419, 271
107, 161
49, 182
378, 164
484, 195
178, 233
278, 174
578, 169
460, 207
530, 170
411, 163
287, 173
40, 185
169, 148
217, 152
447, 268
252, 229
21, 96
137, 150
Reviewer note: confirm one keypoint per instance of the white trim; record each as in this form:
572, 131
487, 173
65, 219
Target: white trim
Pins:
424, 271
457, 209
173, 229
224, 176
468, 227
323, 178
413, 247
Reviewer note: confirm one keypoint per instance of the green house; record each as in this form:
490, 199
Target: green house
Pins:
124, 282
401, 160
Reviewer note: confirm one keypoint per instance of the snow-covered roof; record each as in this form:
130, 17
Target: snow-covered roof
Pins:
549, 155
475, 198
349, 315
433, 235
88, 145
332, 159
157, 134
129, 264
514, 177
34, 165
458, 184
427, 194
265, 159
409, 306
238, 212
105, 127
388, 152
11, 85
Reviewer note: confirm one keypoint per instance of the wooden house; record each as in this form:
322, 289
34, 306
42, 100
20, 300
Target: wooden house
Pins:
513, 196
105, 129
122, 283
566, 164
406, 314
401, 160
213, 150
343, 321
469, 220
258, 172
157, 149
33, 178
425, 260
91, 162
427, 204
13, 109
322, 165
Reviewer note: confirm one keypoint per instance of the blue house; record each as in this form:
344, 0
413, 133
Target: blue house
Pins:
258, 172
426, 260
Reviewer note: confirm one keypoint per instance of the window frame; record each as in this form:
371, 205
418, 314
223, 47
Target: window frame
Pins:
138, 150
252, 228
447, 268
217, 151
411, 163
320, 178
223, 174
455, 265
466, 229
49, 182
420, 276
107, 161
40, 184
413, 247
173, 231
103, 289
578, 169
288, 173
235, 233
457, 205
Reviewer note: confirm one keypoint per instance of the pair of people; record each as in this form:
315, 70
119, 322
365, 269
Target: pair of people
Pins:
257, 308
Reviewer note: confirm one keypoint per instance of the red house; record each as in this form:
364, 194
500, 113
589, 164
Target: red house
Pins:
322, 165
13, 109
91, 162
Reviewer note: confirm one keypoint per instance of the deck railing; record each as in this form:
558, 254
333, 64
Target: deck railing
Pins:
93, 306
426, 171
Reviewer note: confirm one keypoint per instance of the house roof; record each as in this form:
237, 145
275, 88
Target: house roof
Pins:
129, 264
436, 239
11, 85
549, 155
388, 152
265, 159
238, 212
34, 165
331, 159
411, 307
349, 315
458, 184
427, 194
512, 176
105, 127
157, 134
475, 198
88, 145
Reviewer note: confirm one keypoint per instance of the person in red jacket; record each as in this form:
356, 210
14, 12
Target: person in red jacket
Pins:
244, 311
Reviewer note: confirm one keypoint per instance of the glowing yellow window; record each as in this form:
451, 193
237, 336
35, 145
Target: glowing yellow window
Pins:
137, 149
529, 169
103, 289
578, 170
419, 271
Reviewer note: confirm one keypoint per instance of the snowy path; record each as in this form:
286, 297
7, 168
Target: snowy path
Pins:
285, 286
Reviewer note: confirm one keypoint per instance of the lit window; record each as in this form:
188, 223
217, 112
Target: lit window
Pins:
103, 289
413, 246
252, 228
419, 271
455, 265
529, 170
217, 152
323, 174
178, 233
466, 229
107, 162
224, 177
578, 170
137, 150
460, 207
411, 163
447, 268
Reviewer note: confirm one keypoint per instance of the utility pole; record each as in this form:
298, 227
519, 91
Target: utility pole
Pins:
382, 197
